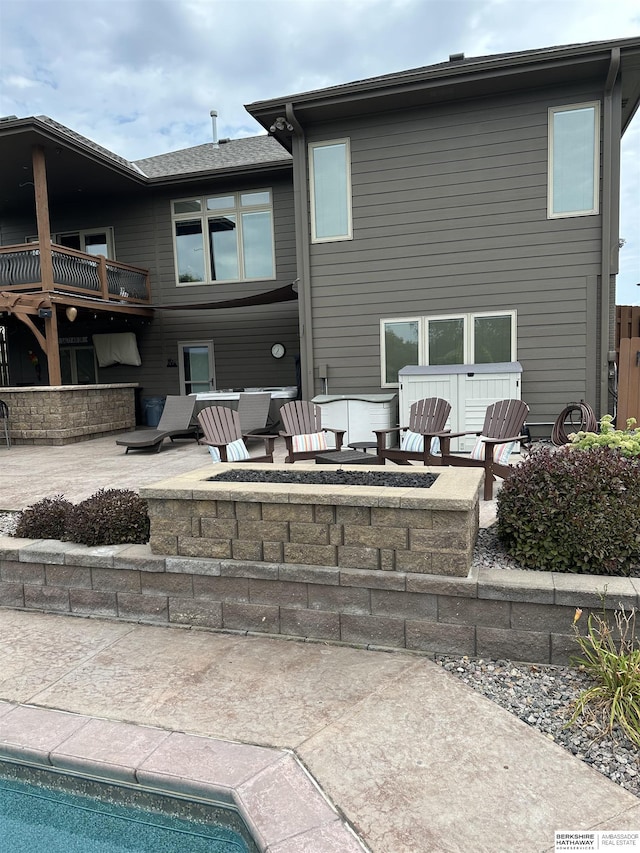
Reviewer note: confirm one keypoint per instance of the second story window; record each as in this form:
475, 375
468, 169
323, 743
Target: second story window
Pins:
95, 241
330, 190
574, 160
224, 238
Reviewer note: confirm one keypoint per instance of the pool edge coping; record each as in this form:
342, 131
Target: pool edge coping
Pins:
279, 801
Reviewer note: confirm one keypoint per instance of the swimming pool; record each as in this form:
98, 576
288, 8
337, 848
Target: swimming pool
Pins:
58, 813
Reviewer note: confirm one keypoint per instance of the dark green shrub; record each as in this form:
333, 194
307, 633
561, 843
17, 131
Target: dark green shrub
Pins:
45, 519
573, 512
110, 517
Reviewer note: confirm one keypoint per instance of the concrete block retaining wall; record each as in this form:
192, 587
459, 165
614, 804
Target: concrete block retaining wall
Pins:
370, 528
59, 415
494, 614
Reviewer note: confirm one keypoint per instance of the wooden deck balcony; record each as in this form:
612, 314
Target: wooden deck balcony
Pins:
73, 273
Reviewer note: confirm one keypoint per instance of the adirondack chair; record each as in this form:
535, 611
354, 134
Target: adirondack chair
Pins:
304, 435
500, 434
223, 436
427, 419
175, 422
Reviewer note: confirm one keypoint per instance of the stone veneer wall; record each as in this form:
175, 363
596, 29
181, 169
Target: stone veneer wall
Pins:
65, 414
497, 613
406, 529
390, 539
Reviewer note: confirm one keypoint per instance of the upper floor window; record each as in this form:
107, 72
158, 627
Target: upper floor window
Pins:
94, 241
330, 190
224, 237
574, 160
479, 338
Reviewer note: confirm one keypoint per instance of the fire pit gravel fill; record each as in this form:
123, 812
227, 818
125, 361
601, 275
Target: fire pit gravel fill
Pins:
329, 478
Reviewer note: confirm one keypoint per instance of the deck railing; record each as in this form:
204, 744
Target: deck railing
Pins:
73, 272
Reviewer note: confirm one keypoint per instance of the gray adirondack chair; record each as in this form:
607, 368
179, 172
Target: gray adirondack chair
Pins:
221, 427
301, 417
503, 423
428, 418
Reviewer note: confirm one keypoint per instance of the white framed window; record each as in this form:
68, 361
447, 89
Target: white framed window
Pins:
91, 241
225, 237
574, 160
330, 190
399, 346
196, 366
486, 337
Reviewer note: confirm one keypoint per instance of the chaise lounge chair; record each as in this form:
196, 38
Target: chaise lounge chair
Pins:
253, 411
175, 422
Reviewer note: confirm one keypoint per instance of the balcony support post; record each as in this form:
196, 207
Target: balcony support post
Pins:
102, 277
53, 347
42, 216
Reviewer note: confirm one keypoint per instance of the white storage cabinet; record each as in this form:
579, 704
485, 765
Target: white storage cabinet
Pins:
358, 414
470, 388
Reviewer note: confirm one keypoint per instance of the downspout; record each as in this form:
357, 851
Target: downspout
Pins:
303, 261
610, 214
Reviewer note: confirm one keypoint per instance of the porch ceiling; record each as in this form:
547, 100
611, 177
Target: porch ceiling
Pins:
71, 172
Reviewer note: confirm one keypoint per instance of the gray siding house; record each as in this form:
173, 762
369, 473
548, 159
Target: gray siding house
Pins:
461, 213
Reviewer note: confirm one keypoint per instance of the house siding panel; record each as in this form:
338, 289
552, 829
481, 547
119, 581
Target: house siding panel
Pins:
143, 237
449, 216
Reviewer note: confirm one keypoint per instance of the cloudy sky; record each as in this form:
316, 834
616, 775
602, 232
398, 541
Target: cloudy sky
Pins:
140, 76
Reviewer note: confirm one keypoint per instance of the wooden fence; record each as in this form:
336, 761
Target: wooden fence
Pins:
628, 354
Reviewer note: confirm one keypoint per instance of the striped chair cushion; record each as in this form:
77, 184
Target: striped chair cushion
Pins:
236, 451
414, 442
310, 441
501, 452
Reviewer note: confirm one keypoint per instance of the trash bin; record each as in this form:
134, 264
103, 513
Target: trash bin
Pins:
153, 407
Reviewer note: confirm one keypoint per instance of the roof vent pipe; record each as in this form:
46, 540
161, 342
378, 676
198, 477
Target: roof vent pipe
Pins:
456, 57
214, 127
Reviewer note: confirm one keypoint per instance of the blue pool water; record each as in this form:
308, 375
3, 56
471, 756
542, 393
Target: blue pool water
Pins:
37, 818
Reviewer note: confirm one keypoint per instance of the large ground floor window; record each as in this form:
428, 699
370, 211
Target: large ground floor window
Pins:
474, 338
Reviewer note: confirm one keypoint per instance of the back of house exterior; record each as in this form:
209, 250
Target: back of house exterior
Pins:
463, 213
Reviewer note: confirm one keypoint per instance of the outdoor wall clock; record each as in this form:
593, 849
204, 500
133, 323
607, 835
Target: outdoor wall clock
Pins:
278, 350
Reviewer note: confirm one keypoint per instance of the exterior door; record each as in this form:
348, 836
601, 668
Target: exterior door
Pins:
78, 366
197, 367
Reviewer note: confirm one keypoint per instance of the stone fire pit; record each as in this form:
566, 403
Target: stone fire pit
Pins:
369, 528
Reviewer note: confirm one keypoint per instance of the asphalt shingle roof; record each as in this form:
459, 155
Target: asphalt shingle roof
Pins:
249, 151
230, 154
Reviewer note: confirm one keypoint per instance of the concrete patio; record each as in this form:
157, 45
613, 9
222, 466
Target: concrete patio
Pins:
412, 759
